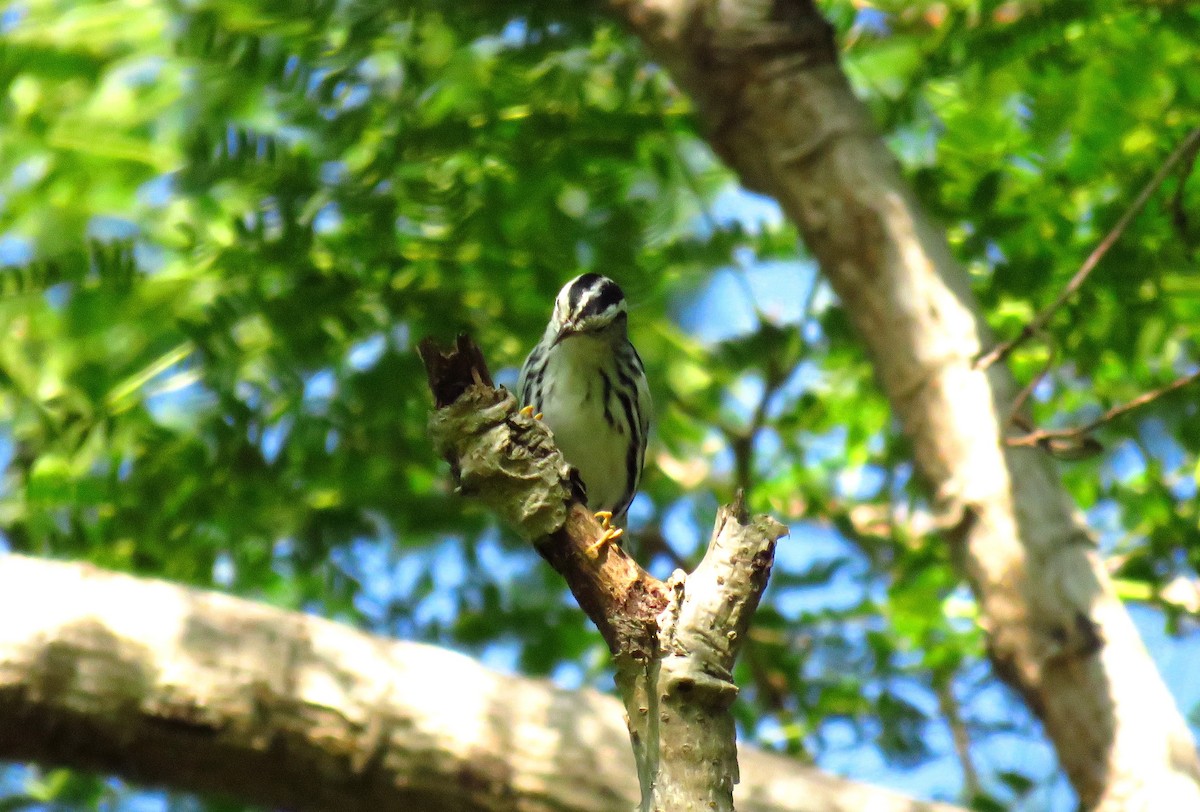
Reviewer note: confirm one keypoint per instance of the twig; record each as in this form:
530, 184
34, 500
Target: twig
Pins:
741, 442
1071, 442
773, 694
1022, 396
948, 704
1179, 216
1003, 349
710, 219
689, 179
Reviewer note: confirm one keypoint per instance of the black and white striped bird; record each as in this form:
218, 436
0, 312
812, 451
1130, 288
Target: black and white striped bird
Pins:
589, 385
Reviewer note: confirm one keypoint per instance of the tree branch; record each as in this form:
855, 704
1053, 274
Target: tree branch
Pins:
1072, 442
1179, 215
208, 693
673, 644
508, 461
1002, 350
948, 705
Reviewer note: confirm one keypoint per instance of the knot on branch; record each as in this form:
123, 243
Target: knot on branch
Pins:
708, 612
692, 683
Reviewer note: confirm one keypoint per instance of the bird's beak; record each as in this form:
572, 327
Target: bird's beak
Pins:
567, 330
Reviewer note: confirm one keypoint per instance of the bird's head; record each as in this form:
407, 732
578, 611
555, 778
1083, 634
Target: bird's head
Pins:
589, 305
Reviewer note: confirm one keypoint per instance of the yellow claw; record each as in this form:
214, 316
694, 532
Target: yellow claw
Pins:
609, 533
528, 412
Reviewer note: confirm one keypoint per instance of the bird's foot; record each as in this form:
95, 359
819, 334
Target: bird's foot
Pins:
609, 533
528, 412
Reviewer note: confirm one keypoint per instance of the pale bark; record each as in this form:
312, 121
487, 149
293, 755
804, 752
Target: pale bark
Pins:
205, 692
780, 111
678, 702
674, 644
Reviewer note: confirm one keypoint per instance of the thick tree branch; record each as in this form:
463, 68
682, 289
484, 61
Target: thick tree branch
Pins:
679, 707
673, 644
204, 692
779, 110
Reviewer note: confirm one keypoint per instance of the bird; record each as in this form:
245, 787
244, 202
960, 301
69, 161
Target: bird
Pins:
586, 381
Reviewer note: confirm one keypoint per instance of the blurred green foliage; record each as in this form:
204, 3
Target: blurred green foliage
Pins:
225, 224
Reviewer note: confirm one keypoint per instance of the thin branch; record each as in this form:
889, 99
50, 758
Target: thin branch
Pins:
706, 213
809, 306
689, 180
948, 705
1070, 443
773, 694
741, 442
1022, 396
741, 439
1179, 215
1003, 349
